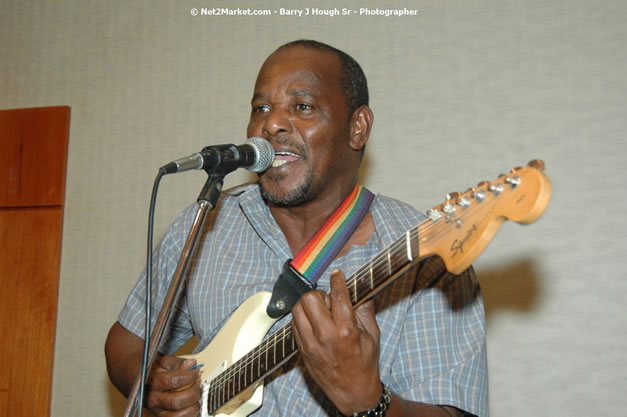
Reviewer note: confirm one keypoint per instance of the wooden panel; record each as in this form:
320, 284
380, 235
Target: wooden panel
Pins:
33, 159
29, 268
4, 395
33, 144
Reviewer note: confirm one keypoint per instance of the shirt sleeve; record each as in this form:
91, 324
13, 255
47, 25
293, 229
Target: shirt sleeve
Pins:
441, 357
165, 259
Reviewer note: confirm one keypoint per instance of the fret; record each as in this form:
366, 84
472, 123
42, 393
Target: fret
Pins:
252, 376
371, 276
381, 270
250, 368
408, 244
225, 387
283, 341
218, 399
222, 396
389, 263
358, 288
269, 347
215, 400
222, 383
258, 366
224, 390
239, 378
253, 370
212, 399
244, 373
257, 361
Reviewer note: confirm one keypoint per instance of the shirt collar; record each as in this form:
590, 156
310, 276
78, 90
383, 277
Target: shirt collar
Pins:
258, 215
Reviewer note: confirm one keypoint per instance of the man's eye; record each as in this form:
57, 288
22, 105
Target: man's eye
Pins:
303, 106
262, 108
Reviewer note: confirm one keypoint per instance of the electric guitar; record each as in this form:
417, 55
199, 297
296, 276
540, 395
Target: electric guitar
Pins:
457, 230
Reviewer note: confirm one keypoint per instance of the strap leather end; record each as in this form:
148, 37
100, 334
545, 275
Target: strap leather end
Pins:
288, 289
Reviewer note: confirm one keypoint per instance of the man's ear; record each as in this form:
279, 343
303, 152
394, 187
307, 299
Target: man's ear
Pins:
361, 123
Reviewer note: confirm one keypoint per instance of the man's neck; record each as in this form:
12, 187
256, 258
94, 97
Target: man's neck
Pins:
300, 224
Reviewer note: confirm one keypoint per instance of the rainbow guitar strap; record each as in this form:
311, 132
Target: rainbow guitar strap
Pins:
300, 274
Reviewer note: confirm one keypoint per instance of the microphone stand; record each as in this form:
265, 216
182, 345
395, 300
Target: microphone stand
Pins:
207, 201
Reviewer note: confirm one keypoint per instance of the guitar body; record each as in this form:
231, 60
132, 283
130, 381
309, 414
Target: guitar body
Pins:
240, 334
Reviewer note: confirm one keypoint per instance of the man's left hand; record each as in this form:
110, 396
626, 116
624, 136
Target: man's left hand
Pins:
340, 346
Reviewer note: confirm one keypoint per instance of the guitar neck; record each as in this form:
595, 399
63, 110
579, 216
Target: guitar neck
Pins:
280, 347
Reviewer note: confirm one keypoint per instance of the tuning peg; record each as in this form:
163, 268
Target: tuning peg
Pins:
434, 214
463, 202
496, 188
458, 198
448, 208
514, 181
537, 164
479, 195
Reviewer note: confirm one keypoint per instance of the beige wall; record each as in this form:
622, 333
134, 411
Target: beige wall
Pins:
461, 92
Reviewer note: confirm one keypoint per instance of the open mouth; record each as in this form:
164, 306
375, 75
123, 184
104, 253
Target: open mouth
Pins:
282, 157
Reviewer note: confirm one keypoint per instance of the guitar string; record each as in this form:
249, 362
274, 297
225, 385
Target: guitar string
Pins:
382, 259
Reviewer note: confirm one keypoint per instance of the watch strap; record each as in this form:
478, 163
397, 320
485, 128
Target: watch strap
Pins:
380, 410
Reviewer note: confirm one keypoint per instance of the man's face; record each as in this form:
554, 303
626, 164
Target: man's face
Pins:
298, 105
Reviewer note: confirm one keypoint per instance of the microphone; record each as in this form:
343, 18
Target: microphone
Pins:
256, 155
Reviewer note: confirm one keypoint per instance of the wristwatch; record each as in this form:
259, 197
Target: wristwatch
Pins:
380, 410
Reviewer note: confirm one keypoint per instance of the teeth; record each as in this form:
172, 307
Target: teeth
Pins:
278, 163
285, 153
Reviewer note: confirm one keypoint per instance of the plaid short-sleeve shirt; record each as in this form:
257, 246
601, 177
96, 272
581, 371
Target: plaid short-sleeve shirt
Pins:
432, 323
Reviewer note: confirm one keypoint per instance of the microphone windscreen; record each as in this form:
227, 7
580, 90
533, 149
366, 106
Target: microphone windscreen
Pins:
264, 152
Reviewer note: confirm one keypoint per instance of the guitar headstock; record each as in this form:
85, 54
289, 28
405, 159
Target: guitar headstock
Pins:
460, 228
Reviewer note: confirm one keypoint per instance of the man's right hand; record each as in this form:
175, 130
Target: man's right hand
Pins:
172, 389
172, 386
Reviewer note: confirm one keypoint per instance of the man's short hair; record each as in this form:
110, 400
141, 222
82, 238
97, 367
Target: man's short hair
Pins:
352, 79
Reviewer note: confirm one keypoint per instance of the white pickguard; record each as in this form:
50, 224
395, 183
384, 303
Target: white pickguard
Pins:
243, 331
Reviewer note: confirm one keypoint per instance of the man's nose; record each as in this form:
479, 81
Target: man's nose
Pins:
276, 122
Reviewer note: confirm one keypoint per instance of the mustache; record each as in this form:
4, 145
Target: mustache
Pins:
286, 141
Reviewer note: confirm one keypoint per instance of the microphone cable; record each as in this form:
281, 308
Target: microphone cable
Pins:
148, 302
